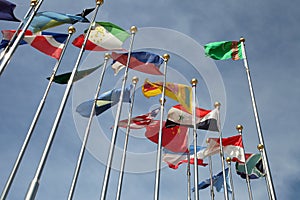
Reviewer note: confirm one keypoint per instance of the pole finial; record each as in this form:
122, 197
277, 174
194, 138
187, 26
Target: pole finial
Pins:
217, 104
166, 57
107, 56
99, 2
239, 128
242, 39
133, 29
228, 160
33, 2
194, 82
162, 102
135, 79
207, 140
260, 147
71, 29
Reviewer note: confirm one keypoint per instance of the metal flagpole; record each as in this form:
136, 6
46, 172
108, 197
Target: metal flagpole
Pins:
7, 56
33, 187
188, 173
260, 147
228, 160
194, 83
166, 57
133, 31
87, 130
271, 190
217, 105
134, 81
239, 128
5, 191
212, 194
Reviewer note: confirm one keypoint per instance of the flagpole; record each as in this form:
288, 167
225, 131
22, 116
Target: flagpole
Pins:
134, 81
228, 160
166, 58
188, 173
194, 83
5, 191
7, 56
87, 130
271, 190
133, 31
260, 147
212, 194
239, 128
217, 105
33, 187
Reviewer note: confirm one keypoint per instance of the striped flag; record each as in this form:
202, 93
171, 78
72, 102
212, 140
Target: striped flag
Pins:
7, 11
224, 50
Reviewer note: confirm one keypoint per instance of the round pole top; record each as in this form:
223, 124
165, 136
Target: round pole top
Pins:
242, 39
71, 29
194, 81
33, 2
239, 128
135, 79
160, 101
228, 159
217, 104
260, 147
107, 56
99, 2
166, 57
133, 29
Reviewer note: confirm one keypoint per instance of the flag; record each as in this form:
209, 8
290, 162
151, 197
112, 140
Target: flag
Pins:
232, 146
104, 36
64, 78
218, 182
173, 139
224, 50
205, 119
142, 61
140, 121
7, 11
178, 92
174, 159
48, 43
104, 101
49, 19
254, 167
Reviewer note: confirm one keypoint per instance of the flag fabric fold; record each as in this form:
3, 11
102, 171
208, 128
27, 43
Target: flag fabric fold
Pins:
205, 119
104, 36
104, 101
142, 61
254, 167
224, 50
178, 92
7, 11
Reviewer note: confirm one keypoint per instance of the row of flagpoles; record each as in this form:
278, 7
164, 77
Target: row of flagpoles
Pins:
238, 53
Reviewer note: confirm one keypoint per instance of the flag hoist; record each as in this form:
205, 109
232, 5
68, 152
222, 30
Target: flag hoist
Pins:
133, 31
270, 186
121, 173
33, 187
5, 191
162, 100
87, 130
228, 160
34, 6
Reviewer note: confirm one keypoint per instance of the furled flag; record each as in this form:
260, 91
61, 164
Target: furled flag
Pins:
218, 182
173, 139
104, 36
140, 121
174, 159
49, 19
205, 119
254, 167
142, 61
64, 78
7, 11
48, 43
232, 146
104, 101
224, 50
178, 92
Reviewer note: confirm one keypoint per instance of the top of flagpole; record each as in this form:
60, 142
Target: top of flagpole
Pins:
166, 57
71, 30
217, 104
194, 82
239, 128
242, 39
133, 29
33, 2
99, 2
135, 79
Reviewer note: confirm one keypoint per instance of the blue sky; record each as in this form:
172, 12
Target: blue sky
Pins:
271, 32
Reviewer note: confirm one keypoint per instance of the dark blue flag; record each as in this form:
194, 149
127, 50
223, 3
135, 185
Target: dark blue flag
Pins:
7, 11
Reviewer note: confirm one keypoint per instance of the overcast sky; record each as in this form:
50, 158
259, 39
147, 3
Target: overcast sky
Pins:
179, 28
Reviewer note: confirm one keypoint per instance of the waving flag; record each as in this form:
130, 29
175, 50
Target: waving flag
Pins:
49, 19
140, 121
174, 159
48, 43
205, 119
178, 92
104, 36
142, 61
104, 102
232, 146
173, 139
224, 50
7, 11
254, 165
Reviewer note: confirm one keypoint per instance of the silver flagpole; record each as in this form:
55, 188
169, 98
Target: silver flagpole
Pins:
166, 57
271, 190
194, 83
133, 31
33, 187
188, 173
87, 130
239, 128
7, 56
217, 105
5, 191
228, 160
212, 194
134, 81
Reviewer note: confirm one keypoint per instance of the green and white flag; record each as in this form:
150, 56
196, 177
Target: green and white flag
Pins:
224, 50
